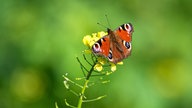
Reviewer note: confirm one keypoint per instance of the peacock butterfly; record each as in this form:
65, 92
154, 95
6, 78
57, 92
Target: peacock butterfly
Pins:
116, 45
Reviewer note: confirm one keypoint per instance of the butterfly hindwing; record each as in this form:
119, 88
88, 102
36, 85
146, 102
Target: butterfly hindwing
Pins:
121, 45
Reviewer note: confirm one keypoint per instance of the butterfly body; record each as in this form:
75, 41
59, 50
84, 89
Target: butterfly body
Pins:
116, 45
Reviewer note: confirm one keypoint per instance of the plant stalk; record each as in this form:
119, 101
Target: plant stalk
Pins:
85, 86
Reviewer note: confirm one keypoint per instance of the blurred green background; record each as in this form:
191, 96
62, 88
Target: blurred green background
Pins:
39, 40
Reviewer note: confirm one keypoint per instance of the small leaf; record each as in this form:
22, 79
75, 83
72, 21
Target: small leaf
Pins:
69, 104
56, 106
98, 98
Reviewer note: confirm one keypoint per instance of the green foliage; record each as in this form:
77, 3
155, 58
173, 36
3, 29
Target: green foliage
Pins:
40, 39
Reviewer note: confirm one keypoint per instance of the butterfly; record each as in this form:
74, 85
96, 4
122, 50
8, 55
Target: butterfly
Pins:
116, 45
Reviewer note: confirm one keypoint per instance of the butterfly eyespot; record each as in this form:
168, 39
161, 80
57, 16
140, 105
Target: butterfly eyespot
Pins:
96, 48
110, 55
130, 27
127, 44
120, 28
126, 26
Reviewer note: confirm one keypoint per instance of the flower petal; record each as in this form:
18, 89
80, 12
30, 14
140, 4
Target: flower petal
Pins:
98, 67
94, 35
113, 67
91, 42
86, 40
101, 60
101, 34
120, 63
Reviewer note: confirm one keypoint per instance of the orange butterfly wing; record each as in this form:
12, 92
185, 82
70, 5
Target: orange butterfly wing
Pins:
102, 46
116, 45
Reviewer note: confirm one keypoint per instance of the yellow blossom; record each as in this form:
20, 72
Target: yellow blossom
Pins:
98, 67
101, 34
92, 42
101, 60
113, 67
86, 40
94, 35
89, 40
120, 63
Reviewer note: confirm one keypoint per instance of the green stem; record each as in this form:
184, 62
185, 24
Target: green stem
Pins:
82, 93
85, 86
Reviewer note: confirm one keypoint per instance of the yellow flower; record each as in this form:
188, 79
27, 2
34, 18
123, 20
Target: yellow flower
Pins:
101, 34
101, 60
86, 40
113, 67
98, 67
94, 34
120, 63
89, 40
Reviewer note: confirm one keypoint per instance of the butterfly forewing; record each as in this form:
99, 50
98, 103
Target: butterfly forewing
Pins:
101, 47
125, 32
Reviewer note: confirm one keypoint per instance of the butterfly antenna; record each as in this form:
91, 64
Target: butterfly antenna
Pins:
107, 20
102, 25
